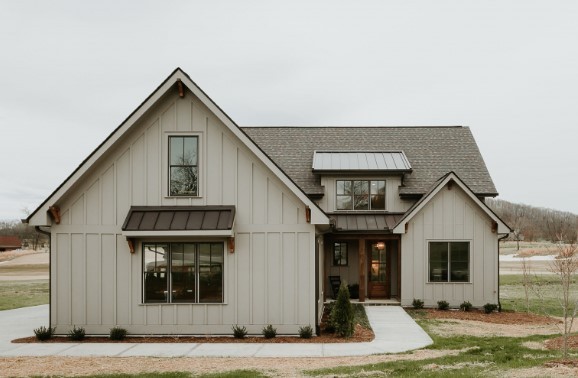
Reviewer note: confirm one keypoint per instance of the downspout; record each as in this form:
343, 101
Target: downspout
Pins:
49, 234
499, 302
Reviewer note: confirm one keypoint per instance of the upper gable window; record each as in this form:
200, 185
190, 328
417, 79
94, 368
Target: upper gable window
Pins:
360, 195
183, 165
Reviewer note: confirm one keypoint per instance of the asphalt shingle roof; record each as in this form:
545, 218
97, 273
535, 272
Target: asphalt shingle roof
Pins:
431, 151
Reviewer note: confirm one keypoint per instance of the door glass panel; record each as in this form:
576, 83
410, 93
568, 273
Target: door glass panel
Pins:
378, 263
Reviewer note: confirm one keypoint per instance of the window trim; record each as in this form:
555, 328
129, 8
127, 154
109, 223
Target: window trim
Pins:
369, 181
169, 281
334, 261
166, 159
448, 281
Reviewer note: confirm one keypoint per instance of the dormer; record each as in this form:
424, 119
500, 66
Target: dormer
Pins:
361, 181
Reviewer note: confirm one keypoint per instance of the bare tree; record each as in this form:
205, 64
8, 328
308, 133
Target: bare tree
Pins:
527, 280
565, 266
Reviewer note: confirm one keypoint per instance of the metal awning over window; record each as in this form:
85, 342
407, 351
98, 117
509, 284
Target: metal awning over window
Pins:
179, 221
331, 161
366, 223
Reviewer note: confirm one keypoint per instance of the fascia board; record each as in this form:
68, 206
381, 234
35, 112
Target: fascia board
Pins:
502, 227
144, 234
40, 217
317, 215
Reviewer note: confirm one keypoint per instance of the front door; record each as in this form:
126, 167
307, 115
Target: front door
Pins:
377, 283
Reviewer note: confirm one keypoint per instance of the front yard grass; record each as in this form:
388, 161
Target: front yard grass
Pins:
16, 294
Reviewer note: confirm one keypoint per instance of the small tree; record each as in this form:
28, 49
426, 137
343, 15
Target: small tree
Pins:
565, 266
527, 280
342, 313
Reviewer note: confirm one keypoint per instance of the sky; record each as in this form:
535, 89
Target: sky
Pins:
72, 71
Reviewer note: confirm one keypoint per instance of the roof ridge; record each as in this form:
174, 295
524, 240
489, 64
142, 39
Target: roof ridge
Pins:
357, 126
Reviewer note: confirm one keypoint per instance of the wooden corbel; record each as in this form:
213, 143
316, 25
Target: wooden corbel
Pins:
130, 243
231, 244
494, 227
406, 227
308, 214
450, 184
54, 212
181, 88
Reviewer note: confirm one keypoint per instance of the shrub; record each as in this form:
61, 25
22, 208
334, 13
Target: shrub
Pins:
417, 304
269, 332
443, 305
117, 333
77, 333
305, 332
43, 333
466, 306
353, 291
490, 307
342, 313
239, 332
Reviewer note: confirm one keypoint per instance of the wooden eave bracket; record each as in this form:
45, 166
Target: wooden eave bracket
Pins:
231, 244
54, 212
181, 88
130, 242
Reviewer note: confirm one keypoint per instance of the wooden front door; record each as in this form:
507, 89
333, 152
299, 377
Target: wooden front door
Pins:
378, 270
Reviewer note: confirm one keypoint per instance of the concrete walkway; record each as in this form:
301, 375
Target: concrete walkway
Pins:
395, 332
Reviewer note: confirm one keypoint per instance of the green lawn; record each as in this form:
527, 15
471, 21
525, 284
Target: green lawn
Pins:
16, 294
543, 297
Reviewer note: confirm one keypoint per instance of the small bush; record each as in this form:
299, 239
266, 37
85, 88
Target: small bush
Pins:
43, 333
466, 306
490, 307
342, 314
239, 332
417, 304
117, 333
305, 332
269, 332
443, 305
77, 333
353, 291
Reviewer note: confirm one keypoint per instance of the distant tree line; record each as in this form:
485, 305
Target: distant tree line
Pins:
28, 235
536, 223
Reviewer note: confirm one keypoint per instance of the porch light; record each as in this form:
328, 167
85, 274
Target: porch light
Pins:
380, 245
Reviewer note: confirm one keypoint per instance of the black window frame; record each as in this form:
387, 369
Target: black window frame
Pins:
169, 271
368, 198
454, 271
194, 168
338, 261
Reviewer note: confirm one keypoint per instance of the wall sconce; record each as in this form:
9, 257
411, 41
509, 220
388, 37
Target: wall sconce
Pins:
231, 244
380, 245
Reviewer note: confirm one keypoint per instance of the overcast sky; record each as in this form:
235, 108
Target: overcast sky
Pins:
72, 71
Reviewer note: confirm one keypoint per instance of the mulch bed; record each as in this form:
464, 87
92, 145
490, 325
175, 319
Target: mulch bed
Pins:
504, 317
558, 341
361, 335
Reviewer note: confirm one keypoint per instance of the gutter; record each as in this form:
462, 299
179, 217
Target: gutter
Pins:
499, 302
49, 234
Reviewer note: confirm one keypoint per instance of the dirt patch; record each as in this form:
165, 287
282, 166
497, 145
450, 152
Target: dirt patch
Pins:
557, 344
504, 317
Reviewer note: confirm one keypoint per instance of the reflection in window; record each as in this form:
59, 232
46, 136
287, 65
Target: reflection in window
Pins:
449, 261
340, 254
183, 165
360, 195
191, 272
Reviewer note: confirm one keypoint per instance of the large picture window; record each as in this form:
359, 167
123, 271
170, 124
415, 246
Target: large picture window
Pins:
183, 165
360, 195
449, 261
190, 272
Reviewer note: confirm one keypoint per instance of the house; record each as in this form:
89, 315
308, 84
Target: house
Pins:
181, 222
10, 243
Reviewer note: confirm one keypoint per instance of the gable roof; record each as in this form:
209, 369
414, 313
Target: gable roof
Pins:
502, 228
40, 217
431, 151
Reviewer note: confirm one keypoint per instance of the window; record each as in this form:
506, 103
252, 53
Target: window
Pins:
340, 254
449, 261
183, 165
360, 195
191, 272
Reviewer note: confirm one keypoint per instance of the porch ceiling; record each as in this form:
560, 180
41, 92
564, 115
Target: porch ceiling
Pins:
365, 222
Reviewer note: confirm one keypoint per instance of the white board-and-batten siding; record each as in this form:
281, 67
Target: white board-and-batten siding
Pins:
450, 216
97, 282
